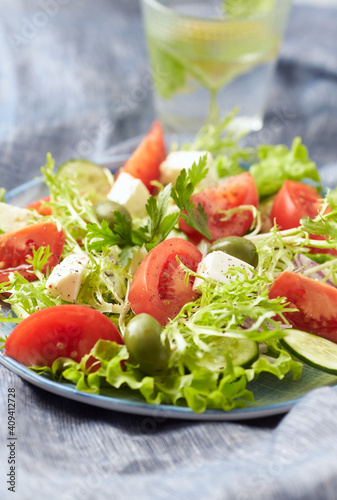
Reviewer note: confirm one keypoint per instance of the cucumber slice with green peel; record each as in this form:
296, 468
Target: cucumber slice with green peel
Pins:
90, 178
242, 351
314, 350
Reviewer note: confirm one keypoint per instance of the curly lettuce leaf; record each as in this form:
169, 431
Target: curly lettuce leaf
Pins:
189, 381
198, 388
278, 163
72, 209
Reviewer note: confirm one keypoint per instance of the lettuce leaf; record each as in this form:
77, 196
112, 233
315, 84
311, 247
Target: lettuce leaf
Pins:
198, 388
278, 163
191, 379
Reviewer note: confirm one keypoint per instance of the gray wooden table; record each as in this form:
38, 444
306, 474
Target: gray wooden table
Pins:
74, 80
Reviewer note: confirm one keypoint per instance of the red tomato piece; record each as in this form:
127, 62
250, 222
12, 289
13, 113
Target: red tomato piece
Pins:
235, 191
40, 207
158, 287
294, 201
69, 331
145, 160
17, 246
316, 303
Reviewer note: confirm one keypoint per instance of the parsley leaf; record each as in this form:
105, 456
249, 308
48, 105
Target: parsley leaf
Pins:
158, 226
103, 236
161, 222
122, 228
182, 192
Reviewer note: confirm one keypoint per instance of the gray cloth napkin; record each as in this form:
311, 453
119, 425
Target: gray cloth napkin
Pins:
74, 80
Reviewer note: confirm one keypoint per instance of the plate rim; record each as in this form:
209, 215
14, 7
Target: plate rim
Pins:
69, 391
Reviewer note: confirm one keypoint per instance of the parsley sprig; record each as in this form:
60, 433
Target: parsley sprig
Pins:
161, 219
182, 192
157, 227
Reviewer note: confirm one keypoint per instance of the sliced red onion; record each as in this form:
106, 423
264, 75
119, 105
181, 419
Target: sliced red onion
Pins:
303, 263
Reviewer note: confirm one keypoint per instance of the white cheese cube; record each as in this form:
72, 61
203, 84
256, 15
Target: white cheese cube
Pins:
176, 161
131, 193
216, 264
66, 278
13, 218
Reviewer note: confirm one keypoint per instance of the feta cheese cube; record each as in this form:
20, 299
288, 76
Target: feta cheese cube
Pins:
176, 161
131, 193
216, 264
13, 218
66, 278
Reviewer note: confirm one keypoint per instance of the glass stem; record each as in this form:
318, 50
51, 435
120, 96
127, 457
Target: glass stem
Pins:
213, 111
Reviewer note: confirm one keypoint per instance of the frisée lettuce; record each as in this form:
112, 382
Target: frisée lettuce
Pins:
203, 372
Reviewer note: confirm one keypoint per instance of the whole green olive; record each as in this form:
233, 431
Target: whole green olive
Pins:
146, 348
104, 210
238, 247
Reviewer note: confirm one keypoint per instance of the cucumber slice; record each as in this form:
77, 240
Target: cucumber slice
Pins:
243, 352
315, 351
90, 178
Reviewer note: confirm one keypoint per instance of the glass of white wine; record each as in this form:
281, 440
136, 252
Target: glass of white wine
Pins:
210, 56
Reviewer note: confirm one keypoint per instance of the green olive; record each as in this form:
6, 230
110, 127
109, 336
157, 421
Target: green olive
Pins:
104, 210
238, 247
146, 348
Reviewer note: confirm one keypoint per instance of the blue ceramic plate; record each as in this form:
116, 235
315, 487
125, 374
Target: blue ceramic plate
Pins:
272, 397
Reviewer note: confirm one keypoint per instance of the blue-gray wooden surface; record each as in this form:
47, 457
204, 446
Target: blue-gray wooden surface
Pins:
74, 80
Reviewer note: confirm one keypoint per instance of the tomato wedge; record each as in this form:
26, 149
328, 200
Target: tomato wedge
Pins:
145, 160
40, 206
69, 331
316, 303
294, 201
158, 287
17, 246
235, 191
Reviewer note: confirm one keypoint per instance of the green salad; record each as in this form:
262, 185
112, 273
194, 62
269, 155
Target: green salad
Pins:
181, 278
